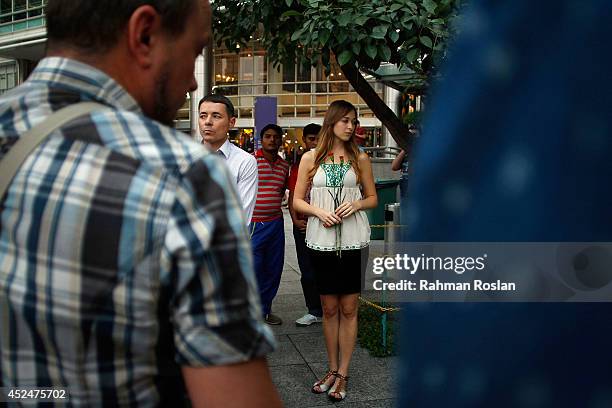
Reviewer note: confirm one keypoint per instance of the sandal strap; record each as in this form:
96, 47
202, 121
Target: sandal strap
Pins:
342, 377
339, 388
330, 373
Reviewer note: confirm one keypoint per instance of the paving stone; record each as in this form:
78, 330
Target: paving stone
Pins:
370, 379
388, 403
285, 354
312, 347
293, 383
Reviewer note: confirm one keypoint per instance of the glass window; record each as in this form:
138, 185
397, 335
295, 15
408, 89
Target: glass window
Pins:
226, 70
304, 76
289, 77
19, 7
261, 70
321, 79
35, 9
8, 76
6, 11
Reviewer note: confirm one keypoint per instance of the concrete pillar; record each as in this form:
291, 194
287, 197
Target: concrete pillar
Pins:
203, 72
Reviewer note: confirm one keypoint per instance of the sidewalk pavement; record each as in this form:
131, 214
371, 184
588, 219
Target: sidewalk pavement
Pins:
301, 358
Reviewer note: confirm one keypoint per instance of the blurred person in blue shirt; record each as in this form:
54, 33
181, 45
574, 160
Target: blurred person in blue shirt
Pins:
515, 149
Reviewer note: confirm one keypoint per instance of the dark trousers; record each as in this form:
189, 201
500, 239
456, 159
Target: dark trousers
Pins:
311, 296
268, 241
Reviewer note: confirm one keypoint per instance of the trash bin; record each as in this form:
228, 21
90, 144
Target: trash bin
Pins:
387, 194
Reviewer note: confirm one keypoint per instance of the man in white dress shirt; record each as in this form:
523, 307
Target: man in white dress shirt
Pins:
216, 118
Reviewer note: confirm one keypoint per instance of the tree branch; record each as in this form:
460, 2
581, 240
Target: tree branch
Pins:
398, 130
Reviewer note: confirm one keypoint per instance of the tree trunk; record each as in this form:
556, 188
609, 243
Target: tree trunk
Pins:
396, 127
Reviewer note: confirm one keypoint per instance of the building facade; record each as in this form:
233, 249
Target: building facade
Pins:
302, 94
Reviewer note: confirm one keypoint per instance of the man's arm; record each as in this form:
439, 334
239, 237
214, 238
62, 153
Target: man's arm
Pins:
397, 162
247, 187
237, 385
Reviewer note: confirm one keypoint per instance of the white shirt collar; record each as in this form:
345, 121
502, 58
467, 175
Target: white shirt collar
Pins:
226, 149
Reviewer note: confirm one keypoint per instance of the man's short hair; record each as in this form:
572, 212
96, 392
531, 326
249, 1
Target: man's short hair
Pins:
311, 129
218, 98
95, 26
269, 126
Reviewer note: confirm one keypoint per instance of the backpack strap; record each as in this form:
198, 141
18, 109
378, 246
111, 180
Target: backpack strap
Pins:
26, 144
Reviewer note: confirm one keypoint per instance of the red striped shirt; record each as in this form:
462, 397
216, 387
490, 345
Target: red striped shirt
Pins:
270, 188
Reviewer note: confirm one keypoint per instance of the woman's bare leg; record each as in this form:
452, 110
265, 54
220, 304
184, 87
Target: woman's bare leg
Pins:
347, 333
331, 324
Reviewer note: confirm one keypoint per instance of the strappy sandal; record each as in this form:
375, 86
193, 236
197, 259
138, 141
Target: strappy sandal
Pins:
322, 383
340, 384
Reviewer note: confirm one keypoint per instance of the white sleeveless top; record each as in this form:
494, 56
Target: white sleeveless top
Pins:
332, 185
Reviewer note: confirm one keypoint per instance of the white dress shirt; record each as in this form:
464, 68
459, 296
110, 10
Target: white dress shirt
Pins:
243, 167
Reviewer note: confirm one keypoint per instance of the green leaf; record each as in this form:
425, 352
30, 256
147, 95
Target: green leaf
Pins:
380, 31
408, 18
290, 13
411, 56
289, 2
384, 52
344, 19
394, 36
324, 36
344, 57
430, 6
297, 34
361, 20
341, 36
356, 47
426, 41
396, 7
371, 50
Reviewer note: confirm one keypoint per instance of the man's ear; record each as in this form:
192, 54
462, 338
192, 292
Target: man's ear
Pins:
144, 29
232, 122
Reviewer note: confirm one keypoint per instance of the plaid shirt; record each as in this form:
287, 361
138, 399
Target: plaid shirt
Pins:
123, 250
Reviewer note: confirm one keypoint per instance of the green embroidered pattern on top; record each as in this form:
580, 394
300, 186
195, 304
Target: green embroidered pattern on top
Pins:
334, 173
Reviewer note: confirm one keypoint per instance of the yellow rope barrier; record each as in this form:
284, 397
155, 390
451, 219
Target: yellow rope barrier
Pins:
378, 307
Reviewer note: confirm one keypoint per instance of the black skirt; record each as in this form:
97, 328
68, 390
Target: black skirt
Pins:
339, 275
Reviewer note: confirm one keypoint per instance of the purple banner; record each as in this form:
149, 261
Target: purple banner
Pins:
265, 113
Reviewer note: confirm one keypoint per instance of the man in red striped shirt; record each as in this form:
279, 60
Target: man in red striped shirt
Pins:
267, 226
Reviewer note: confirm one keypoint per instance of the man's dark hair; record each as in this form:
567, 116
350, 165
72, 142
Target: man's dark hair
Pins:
218, 98
277, 128
95, 25
311, 129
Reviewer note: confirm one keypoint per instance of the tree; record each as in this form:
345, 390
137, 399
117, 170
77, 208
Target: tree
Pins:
361, 34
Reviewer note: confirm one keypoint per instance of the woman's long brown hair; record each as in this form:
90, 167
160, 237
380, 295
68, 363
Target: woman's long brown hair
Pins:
337, 110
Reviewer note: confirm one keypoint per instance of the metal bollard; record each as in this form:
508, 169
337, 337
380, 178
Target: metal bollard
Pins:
392, 236
392, 219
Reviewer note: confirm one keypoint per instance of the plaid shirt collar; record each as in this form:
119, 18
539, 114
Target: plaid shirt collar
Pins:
59, 72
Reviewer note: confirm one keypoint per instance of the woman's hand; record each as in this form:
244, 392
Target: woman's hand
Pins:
347, 209
328, 219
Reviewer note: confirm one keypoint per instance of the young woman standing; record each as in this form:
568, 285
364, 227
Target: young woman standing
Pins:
341, 186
